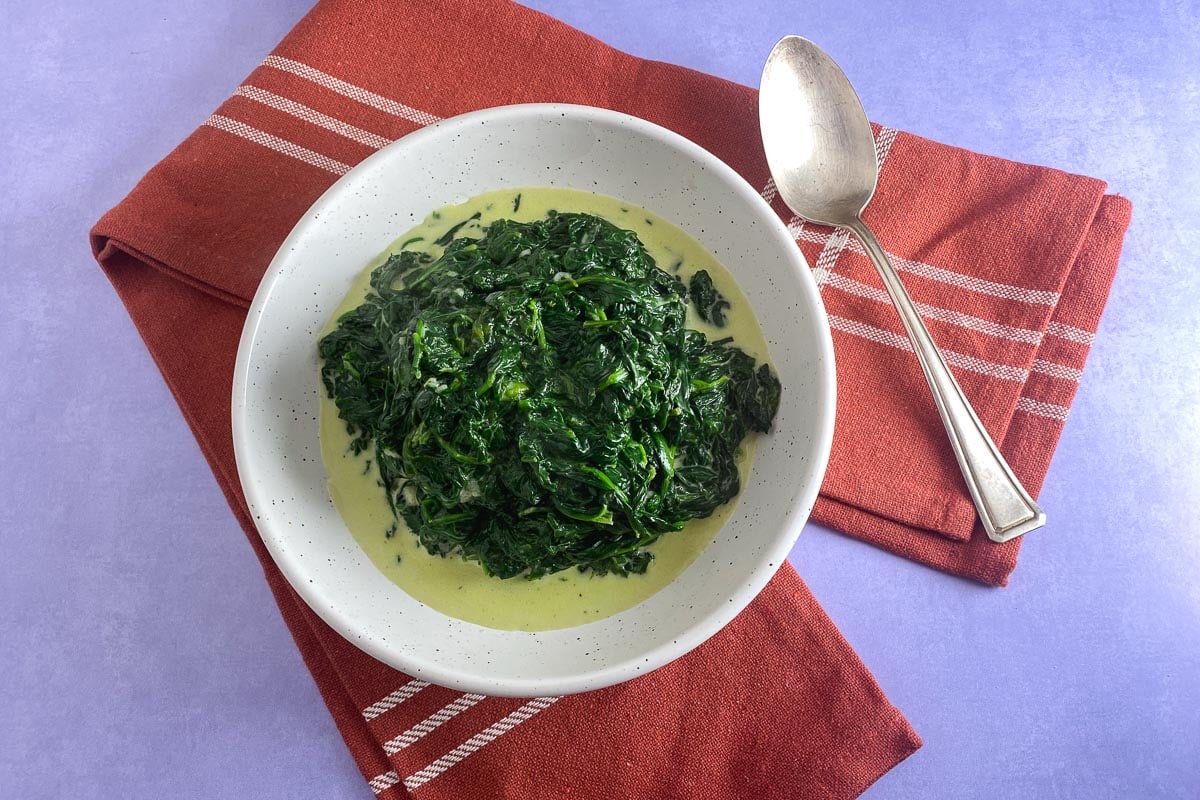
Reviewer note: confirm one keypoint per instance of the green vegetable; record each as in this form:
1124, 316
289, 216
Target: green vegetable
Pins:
534, 402
446, 237
710, 304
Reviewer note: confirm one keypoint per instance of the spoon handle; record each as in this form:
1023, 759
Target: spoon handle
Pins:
1005, 508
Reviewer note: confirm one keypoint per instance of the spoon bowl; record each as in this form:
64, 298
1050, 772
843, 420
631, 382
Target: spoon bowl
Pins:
819, 144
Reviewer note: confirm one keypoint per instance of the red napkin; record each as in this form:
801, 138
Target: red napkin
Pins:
1013, 261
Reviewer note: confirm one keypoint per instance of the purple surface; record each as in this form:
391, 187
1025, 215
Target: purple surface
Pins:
140, 652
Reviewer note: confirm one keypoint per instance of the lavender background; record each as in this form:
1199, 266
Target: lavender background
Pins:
140, 652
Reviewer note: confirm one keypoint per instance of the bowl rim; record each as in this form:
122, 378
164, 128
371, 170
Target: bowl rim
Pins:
448, 675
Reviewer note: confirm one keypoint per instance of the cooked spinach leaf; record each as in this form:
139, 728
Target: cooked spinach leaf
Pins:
446, 237
534, 402
710, 304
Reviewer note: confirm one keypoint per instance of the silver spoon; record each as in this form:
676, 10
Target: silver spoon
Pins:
821, 153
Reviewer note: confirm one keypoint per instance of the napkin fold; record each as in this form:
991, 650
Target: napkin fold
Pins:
1012, 264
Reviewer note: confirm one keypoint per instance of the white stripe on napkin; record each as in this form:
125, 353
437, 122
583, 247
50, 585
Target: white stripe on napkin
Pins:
431, 723
828, 256
1071, 334
301, 111
478, 741
356, 93
1038, 408
769, 191
394, 699
1057, 370
278, 145
1002, 372
1016, 293
381, 783
1014, 334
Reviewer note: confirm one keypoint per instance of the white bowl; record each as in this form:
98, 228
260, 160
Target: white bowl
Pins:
275, 392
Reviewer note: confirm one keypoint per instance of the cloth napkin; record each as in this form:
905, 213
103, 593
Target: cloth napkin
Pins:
1011, 262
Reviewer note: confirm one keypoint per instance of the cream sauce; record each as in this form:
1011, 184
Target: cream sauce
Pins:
460, 588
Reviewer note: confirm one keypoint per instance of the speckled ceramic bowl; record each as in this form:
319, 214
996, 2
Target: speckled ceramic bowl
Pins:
275, 392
